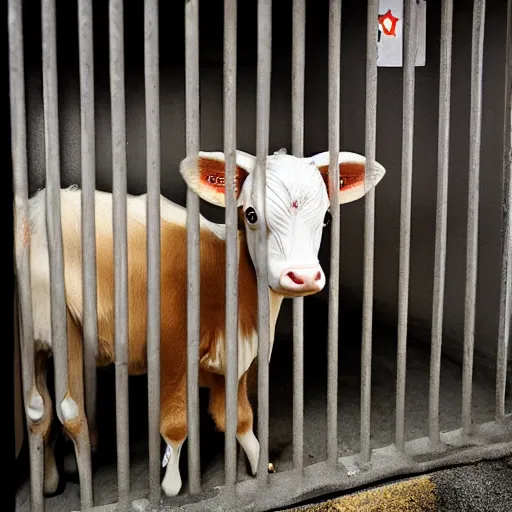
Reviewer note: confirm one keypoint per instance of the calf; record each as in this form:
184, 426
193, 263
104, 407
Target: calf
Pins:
297, 207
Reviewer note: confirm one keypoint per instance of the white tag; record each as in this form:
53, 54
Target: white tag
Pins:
167, 454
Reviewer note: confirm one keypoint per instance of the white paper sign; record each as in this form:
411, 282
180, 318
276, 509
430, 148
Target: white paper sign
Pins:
390, 33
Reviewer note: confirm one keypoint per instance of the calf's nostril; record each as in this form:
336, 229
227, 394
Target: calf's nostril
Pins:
294, 278
318, 276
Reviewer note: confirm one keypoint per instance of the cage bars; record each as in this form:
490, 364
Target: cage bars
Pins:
506, 271
369, 228
152, 89
117, 93
260, 199
477, 43
298, 71
441, 218
193, 254
334, 180
23, 292
230, 74
88, 154
405, 214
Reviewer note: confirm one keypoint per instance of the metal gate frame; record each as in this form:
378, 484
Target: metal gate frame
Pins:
469, 443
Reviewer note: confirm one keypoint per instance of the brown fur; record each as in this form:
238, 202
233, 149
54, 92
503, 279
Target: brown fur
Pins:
173, 314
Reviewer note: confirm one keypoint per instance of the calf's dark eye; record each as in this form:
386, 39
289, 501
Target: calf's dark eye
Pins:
250, 215
327, 218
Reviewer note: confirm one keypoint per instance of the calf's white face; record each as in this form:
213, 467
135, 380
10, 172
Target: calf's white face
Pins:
297, 207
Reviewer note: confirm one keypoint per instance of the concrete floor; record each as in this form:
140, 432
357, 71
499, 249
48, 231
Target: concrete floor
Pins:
482, 487
315, 399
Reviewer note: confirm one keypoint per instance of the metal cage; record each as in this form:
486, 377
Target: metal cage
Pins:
468, 443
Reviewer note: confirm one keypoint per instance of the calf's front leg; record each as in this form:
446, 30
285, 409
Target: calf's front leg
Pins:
173, 428
244, 431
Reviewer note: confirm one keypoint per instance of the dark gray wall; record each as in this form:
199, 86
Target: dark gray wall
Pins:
352, 137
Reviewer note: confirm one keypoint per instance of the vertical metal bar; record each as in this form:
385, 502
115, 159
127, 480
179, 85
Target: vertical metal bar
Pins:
405, 217
334, 180
55, 243
151, 75
117, 93
53, 217
230, 72
298, 72
193, 250
371, 135
22, 245
506, 273
441, 218
262, 135
473, 202
85, 45
90, 318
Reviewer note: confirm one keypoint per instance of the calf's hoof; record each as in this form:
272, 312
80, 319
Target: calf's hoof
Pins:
251, 447
53, 484
171, 484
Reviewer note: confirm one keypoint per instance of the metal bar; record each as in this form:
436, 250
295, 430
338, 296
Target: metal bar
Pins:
55, 244
405, 216
441, 218
23, 295
20, 182
334, 179
117, 92
473, 201
230, 72
53, 216
193, 249
371, 136
262, 136
506, 273
90, 317
151, 75
298, 73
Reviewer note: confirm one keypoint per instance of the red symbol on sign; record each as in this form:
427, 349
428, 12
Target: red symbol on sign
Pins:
388, 23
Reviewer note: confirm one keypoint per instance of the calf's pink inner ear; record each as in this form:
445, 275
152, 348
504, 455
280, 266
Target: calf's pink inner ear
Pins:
351, 175
212, 175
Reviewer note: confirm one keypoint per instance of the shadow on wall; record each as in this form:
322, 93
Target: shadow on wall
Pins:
316, 135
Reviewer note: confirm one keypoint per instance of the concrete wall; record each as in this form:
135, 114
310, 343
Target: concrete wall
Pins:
352, 137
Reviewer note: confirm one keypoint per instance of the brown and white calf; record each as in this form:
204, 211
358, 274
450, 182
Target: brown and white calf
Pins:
297, 205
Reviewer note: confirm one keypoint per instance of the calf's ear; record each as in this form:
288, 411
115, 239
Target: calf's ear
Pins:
205, 174
356, 178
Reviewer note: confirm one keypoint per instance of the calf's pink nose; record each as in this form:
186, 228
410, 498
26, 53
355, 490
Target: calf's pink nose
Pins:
302, 280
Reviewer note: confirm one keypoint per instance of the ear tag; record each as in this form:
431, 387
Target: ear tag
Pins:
167, 455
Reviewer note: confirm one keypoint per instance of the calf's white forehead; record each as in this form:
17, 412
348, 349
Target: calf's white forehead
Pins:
296, 203
294, 186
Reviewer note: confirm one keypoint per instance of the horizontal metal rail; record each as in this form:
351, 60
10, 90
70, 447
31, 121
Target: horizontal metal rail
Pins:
489, 441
